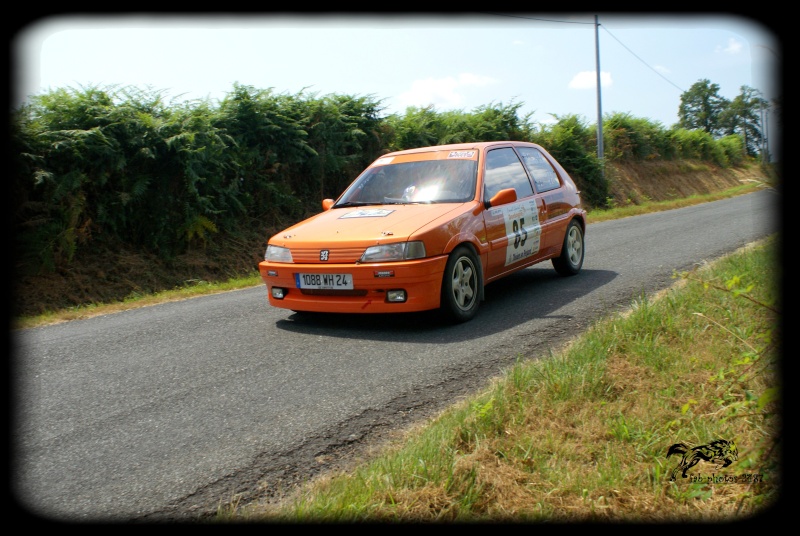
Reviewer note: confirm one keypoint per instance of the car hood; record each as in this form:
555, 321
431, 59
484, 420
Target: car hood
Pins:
364, 225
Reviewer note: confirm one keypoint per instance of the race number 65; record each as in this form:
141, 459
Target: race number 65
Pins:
520, 233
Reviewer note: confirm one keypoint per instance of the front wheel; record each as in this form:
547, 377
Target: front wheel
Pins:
571, 258
460, 285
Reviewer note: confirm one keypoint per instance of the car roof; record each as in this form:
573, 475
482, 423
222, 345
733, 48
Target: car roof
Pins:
479, 145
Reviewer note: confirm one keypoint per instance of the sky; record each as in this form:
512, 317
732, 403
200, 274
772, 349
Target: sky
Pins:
545, 62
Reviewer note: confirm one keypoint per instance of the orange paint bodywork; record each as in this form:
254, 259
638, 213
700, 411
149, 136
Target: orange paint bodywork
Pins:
331, 242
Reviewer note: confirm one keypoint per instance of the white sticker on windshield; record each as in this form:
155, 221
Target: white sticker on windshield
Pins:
383, 161
367, 213
461, 154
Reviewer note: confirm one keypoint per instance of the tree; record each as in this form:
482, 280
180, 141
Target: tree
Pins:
742, 116
701, 107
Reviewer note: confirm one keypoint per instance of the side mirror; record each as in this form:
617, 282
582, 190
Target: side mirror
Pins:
327, 204
503, 197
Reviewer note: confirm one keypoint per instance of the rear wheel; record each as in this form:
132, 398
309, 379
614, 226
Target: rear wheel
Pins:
571, 258
460, 285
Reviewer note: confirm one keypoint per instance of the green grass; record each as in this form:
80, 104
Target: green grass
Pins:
658, 206
190, 290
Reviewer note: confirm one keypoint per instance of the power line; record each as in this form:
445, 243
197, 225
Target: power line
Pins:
592, 23
640, 59
536, 18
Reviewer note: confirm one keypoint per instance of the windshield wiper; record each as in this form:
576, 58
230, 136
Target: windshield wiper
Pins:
356, 204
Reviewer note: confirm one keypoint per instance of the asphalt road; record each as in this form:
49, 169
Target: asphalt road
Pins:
168, 411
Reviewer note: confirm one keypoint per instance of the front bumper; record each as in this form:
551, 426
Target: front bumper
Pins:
421, 279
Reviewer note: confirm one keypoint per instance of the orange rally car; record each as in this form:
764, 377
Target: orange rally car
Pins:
429, 228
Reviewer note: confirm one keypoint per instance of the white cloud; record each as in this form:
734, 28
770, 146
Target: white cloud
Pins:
549, 120
588, 80
661, 69
734, 47
469, 79
443, 93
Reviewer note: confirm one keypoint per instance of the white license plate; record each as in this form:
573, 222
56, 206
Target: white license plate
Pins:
324, 281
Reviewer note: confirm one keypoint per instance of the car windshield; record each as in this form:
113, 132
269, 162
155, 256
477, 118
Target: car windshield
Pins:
426, 181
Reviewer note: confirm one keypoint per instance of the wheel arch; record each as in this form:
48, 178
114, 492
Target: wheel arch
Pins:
581, 217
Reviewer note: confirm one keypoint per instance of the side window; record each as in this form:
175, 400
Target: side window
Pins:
544, 176
504, 170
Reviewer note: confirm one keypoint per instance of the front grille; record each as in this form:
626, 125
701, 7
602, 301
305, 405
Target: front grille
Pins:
335, 256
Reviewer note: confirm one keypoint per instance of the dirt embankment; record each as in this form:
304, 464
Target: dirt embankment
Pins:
637, 183
99, 276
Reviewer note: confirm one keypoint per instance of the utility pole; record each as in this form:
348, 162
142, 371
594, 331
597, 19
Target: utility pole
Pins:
765, 157
599, 101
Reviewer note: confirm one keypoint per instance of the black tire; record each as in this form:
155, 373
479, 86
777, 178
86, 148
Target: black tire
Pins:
571, 259
461, 283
